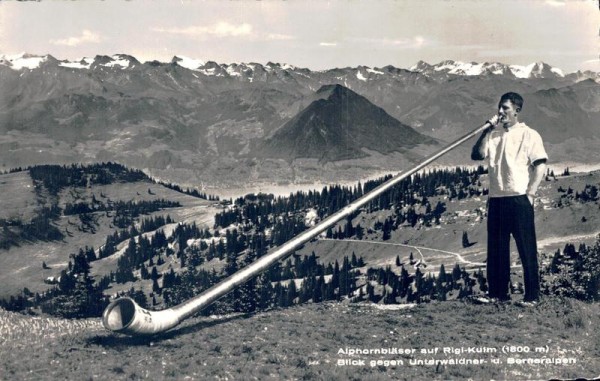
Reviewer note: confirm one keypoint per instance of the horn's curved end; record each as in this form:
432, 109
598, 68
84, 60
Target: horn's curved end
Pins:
119, 314
124, 315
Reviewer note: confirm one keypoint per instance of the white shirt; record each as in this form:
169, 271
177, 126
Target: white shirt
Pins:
510, 154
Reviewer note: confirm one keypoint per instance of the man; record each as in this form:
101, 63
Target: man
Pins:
517, 163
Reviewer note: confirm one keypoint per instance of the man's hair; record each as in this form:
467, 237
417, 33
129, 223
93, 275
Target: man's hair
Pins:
515, 98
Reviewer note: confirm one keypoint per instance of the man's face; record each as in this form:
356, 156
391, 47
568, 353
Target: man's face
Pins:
507, 113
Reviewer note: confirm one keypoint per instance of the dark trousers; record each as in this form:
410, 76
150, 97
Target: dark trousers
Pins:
506, 216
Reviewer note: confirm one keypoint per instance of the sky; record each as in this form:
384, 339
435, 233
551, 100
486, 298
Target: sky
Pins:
315, 34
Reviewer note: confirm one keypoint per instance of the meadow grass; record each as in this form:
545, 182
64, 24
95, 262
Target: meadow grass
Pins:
304, 342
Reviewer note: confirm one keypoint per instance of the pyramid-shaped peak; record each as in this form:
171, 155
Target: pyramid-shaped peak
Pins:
334, 89
339, 126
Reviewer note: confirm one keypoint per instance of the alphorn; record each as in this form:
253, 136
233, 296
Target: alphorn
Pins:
124, 315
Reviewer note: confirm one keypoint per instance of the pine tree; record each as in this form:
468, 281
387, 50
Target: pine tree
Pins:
440, 289
140, 298
291, 293
465, 240
387, 229
155, 286
482, 281
79, 298
354, 261
144, 272
335, 278
280, 295
586, 273
345, 281
249, 290
554, 265
456, 273
348, 229
359, 231
442, 274
404, 282
419, 286
371, 293
80, 263
361, 295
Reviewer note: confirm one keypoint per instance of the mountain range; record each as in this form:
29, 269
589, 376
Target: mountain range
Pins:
533, 70
195, 121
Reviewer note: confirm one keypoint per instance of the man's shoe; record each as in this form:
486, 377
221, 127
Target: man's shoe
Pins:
480, 299
527, 303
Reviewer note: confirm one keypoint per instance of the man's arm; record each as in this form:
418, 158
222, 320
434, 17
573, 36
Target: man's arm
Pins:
539, 171
478, 151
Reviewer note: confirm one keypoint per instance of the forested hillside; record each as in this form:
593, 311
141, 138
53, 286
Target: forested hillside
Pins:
161, 262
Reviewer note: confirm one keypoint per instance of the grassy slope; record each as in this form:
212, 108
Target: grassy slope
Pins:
554, 227
18, 197
303, 343
22, 266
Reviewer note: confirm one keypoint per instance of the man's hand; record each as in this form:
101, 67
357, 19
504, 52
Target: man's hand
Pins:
493, 121
539, 172
531, 199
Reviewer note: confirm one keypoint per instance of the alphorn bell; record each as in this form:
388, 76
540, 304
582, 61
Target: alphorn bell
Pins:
125, 316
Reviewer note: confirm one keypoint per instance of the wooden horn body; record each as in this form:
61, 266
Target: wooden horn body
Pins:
125, 316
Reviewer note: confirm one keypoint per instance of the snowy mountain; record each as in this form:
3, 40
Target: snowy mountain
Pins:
534, 70
202, 119
31, 62
188, 63
251, 70
24, 61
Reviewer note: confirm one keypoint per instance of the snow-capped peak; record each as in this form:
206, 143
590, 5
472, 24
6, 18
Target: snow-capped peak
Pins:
364, 73
557, 71
188, 63
270, 66
534, 70
286, 66
466, 68
420, 66
117, 60
83, 63
122, 60
360, 76
374, 71
233, 71
23, 61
